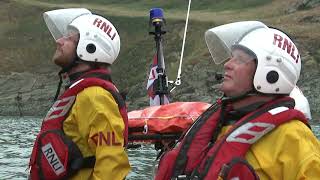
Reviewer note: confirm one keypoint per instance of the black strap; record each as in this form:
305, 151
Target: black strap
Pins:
88, 162
225, 170
80, 163
59, 87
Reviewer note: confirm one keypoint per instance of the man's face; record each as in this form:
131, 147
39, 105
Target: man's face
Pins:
66, 50
239, 72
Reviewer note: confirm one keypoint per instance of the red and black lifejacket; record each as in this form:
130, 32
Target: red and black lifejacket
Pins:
197, 156
56, 156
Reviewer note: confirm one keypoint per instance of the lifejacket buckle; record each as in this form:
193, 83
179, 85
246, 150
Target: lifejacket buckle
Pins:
145, 127
186, 177
224, 169
181, 177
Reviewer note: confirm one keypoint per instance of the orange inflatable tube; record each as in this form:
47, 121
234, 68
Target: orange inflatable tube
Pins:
165, 119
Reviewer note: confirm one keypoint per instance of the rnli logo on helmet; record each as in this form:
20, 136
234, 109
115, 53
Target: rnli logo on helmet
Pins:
287, 46
105, 27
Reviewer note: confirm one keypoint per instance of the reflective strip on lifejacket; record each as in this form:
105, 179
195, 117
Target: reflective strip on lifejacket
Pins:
278, 110
60, 108
250, 132
74, 84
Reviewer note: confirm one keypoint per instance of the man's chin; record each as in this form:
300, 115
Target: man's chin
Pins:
58, 62
225, 86
226, 89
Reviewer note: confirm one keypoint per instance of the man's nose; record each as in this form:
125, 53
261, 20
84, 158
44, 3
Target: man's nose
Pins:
228, 64
60, 41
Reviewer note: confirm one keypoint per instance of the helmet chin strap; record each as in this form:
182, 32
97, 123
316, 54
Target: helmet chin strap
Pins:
75, 61
59, 86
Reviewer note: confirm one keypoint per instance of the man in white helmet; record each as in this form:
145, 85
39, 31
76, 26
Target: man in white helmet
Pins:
253, 131
84, 134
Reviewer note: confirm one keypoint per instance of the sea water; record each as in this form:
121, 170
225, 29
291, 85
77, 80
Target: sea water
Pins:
17, 135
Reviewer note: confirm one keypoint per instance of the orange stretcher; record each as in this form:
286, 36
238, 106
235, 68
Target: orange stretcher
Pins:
163, 122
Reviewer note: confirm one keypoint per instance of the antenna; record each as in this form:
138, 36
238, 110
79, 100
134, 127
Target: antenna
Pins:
178, 80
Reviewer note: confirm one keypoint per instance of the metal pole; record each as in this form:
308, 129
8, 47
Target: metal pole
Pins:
157, 20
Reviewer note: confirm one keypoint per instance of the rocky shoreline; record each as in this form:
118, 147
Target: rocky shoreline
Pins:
28, 86
28, 94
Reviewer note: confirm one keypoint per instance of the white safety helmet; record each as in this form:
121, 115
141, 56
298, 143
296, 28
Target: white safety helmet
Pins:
278, 59
302, 103
99, 40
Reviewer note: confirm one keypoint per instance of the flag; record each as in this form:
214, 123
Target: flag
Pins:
153, 75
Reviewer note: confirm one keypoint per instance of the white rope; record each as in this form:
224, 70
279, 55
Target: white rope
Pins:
178, 80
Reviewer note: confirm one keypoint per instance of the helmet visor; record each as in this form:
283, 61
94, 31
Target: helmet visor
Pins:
57, 21
220, 39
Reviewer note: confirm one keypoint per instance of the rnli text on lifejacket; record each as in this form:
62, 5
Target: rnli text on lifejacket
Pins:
105, 139
53, 159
